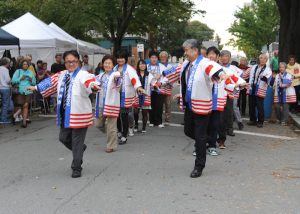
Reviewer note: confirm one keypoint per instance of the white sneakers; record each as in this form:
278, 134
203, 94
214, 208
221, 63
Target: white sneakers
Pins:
130, 132
161, 126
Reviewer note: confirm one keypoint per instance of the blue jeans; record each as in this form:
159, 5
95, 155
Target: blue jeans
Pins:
5, 95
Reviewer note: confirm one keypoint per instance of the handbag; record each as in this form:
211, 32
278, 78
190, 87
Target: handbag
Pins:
15, 88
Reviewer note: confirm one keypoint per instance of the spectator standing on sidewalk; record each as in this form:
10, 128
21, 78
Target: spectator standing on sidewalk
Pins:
284, 93
5, 91
294, 69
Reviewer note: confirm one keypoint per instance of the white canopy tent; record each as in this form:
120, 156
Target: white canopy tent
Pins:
43, 41
37, 39
33, 33
83, 47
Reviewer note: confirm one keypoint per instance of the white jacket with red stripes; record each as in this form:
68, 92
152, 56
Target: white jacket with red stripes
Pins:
201, 93
145, 100
167, 86
234, 77
284, 91
158, 70
109, 100
219, 96
260, 86
130, 83
80, 113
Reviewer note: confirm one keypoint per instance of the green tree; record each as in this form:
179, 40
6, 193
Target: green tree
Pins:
171, 36
199, 31
255, 26
111, 19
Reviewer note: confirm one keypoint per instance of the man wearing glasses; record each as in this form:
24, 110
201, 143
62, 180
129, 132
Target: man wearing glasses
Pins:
74, 108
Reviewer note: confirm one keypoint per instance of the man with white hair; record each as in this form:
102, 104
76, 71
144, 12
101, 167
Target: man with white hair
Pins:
260, 77
166, 88
196, 77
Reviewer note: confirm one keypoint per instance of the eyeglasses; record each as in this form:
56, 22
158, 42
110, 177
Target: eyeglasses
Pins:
71, 62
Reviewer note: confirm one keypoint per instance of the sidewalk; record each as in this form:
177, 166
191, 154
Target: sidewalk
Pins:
296, 119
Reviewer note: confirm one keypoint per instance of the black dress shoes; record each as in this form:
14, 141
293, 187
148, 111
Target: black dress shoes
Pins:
76, 173
197, 172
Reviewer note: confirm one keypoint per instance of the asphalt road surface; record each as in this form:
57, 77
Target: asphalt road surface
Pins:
259, 172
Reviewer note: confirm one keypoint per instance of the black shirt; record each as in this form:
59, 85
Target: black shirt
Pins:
143, 78
57, 68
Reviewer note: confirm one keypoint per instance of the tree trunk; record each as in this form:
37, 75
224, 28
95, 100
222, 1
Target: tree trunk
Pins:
152, 41
117, 45
289, 34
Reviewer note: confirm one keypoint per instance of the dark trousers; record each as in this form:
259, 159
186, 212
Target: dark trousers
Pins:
222, 128
73, 139
256, 102
144, 115
195, 127
157, 102
213, 128
242, 102
123, 122
228, 115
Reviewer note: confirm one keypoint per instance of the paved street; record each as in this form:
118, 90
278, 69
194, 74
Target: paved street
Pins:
255, 174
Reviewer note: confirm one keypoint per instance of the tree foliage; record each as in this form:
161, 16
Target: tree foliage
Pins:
111, 19
172, 36
255, 26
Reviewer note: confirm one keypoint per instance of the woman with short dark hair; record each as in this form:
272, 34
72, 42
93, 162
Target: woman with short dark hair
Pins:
143, 102
157, 96
129, 87
107, 110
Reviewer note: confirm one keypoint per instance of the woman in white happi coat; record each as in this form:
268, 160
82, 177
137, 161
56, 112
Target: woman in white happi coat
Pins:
143, 101
74, 109
130, 85
157, 95
260, 77
284, 93
108, 102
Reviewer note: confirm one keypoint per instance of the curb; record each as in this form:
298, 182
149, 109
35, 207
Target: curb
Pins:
296, 119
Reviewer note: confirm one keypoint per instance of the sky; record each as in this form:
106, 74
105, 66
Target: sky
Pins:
219, 15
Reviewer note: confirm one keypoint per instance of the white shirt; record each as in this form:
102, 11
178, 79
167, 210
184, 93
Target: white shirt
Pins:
4, 78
